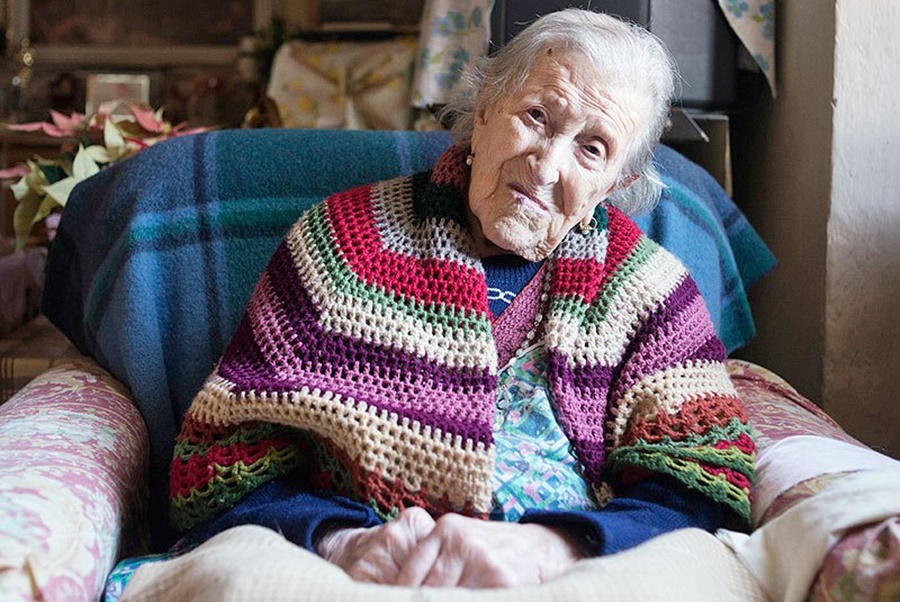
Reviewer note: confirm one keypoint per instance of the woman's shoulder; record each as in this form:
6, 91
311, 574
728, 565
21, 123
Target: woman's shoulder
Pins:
626, 237
630, 252
363, 199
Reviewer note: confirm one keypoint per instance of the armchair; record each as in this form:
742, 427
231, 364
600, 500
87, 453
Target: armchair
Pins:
153, 263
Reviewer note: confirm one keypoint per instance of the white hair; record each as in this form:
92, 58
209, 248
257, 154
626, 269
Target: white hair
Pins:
622, 53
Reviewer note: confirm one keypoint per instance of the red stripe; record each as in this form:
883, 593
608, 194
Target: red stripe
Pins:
432, 281
743, 443
737, 479
576, 277
623, 237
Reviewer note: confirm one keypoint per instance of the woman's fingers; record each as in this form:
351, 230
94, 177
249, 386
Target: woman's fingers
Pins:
419, 563
417, 521
377, 554
472, 553
414, 550
441, 559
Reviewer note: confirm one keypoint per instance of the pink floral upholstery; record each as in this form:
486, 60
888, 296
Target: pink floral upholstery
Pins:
777, 410
73, 457
865, 564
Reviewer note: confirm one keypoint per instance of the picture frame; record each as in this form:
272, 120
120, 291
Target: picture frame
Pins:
148, 45
104, 87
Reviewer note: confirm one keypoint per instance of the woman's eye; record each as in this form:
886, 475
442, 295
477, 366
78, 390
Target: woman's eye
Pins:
594, 150
537, 115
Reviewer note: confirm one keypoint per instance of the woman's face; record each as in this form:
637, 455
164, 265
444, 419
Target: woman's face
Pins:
547, 154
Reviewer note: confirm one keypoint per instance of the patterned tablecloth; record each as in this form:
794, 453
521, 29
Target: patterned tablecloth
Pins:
21, 284
30, 350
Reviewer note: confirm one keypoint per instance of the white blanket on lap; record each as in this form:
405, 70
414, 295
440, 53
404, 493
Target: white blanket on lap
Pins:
253, 563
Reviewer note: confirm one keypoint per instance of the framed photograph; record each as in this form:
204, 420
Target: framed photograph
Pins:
139, 33
103, 87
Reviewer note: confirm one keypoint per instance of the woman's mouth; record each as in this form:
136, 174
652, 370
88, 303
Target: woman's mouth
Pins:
527, 200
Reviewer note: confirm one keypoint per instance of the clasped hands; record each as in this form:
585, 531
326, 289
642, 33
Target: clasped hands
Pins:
415, 549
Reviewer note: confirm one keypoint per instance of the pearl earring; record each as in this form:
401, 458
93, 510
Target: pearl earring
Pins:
587, 224
470, 158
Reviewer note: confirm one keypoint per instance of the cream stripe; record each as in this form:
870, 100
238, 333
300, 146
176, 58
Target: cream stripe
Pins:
399, 449
604, 343
668, 390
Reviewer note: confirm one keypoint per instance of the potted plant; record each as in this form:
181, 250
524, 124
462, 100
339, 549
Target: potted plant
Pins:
88, 144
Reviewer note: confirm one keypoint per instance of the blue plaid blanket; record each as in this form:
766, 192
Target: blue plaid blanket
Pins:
157, 256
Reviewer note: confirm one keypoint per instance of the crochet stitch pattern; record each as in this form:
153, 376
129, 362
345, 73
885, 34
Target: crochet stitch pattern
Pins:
365, 356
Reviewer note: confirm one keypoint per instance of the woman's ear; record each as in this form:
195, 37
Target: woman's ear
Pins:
628, 180
480, 117
481, 112
621, 184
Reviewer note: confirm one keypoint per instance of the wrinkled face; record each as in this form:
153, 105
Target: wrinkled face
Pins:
546, 155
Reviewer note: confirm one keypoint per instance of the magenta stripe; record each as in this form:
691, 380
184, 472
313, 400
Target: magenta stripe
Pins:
581, 398
680, 330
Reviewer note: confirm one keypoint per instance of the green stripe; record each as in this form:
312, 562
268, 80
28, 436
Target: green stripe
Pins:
572, 305
662, 457
639, 255
700, 454
241, 436
239, 480
699, 447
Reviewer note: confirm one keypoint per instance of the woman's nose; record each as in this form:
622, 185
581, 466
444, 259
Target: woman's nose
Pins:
545, 163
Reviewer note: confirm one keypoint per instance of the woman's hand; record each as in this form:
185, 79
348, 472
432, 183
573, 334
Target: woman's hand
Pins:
468, 552
377, 554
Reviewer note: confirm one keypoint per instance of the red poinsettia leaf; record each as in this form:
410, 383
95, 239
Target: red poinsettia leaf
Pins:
146, 118
35, 126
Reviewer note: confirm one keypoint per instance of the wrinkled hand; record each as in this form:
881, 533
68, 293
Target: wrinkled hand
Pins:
468, 552
415, 550
377, 554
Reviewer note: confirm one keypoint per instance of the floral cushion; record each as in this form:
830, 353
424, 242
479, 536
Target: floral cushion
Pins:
865, 563
73, 457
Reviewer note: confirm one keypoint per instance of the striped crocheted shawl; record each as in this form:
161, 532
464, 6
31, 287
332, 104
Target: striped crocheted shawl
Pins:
365, 363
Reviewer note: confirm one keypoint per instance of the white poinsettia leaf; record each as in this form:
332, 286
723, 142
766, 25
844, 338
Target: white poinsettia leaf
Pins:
20, 188
33, 181
59, 191
112, 137
23, 216
83, 166
99, 154
47, 205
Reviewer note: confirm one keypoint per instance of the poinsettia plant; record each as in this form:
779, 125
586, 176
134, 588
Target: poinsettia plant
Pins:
88, 145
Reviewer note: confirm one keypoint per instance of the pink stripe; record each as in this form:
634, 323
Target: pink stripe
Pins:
269, 333
458, 413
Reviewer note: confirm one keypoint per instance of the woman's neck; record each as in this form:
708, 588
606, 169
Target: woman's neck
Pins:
483, 246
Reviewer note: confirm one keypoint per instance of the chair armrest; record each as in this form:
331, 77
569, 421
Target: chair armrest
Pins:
73, 463
813, 473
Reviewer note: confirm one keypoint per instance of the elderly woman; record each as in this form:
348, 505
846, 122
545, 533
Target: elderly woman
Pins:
493, 339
